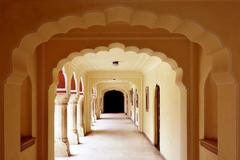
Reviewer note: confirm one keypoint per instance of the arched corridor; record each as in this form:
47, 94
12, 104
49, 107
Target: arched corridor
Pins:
109, 95
176, 84
113, 102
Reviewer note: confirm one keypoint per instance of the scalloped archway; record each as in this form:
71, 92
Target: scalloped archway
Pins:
119, 47
21, 59
210, 44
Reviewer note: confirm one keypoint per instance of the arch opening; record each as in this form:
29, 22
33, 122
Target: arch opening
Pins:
209, 43
81, 88
168, 65
73, 84
61, 87
113, 102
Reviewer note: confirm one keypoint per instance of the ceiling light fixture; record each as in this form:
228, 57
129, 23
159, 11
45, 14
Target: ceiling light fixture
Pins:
115, 63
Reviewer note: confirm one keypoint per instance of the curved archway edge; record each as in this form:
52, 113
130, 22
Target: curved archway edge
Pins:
209, 42
119, 47
123, 49
211, 45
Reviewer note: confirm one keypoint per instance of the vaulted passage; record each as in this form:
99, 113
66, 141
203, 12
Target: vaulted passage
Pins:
100, 93
89, 86
113, 102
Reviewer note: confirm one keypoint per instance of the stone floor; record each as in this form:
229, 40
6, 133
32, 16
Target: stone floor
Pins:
114, 137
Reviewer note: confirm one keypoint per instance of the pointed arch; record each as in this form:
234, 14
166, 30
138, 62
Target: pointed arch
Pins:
81, 86
73, 84
61, 86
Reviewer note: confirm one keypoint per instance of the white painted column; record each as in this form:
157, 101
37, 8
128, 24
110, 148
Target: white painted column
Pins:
61, 138
102, 98
80, 128
92, 117
72, 120
93, 110
98, 107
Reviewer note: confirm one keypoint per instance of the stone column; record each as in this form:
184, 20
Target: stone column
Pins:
93, 110
61, 138
80, 128
98, 108
92, 117
73, 136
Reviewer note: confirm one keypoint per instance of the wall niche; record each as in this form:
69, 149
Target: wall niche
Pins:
26, 115
210, 141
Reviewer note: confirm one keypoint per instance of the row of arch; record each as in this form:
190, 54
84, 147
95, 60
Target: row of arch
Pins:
62, 83
211, 46
68, 114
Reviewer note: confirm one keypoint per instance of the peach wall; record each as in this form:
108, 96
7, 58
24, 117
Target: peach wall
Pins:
207, 155
29, 15
47, 59
29, 153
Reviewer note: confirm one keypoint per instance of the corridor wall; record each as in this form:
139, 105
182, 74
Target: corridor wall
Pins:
172, 128
28, 20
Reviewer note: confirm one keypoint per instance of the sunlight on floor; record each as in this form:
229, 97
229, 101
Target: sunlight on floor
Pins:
114, 137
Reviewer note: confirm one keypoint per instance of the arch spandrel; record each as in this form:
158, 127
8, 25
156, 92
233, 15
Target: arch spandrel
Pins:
209, 42
124, 49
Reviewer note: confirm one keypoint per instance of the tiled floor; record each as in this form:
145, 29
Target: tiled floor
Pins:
114, 137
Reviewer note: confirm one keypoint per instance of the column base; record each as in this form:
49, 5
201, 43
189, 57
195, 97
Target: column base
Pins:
73, 138
62, 148
81, 132
93, 120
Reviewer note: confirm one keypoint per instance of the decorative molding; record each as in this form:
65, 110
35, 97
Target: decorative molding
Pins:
73, 99
210, 144
122, 48
61, 99
117, 37
209, 42
130, 74
27, 142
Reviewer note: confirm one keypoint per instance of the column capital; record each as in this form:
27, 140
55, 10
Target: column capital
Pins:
80, 98
73, 98
61, 99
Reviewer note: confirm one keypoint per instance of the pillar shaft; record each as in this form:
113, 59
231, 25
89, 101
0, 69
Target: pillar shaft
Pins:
80, 128
61, 137
72, 119
93, 110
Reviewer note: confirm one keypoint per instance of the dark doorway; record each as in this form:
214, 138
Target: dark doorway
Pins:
157, 117
113, 102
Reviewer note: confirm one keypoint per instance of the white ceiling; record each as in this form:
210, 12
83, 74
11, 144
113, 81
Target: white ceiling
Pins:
128, 61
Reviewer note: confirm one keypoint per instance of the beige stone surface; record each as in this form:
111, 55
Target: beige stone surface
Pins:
114, 137
26, 24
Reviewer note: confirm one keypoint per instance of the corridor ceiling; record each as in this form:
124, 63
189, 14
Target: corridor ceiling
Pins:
128, 61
